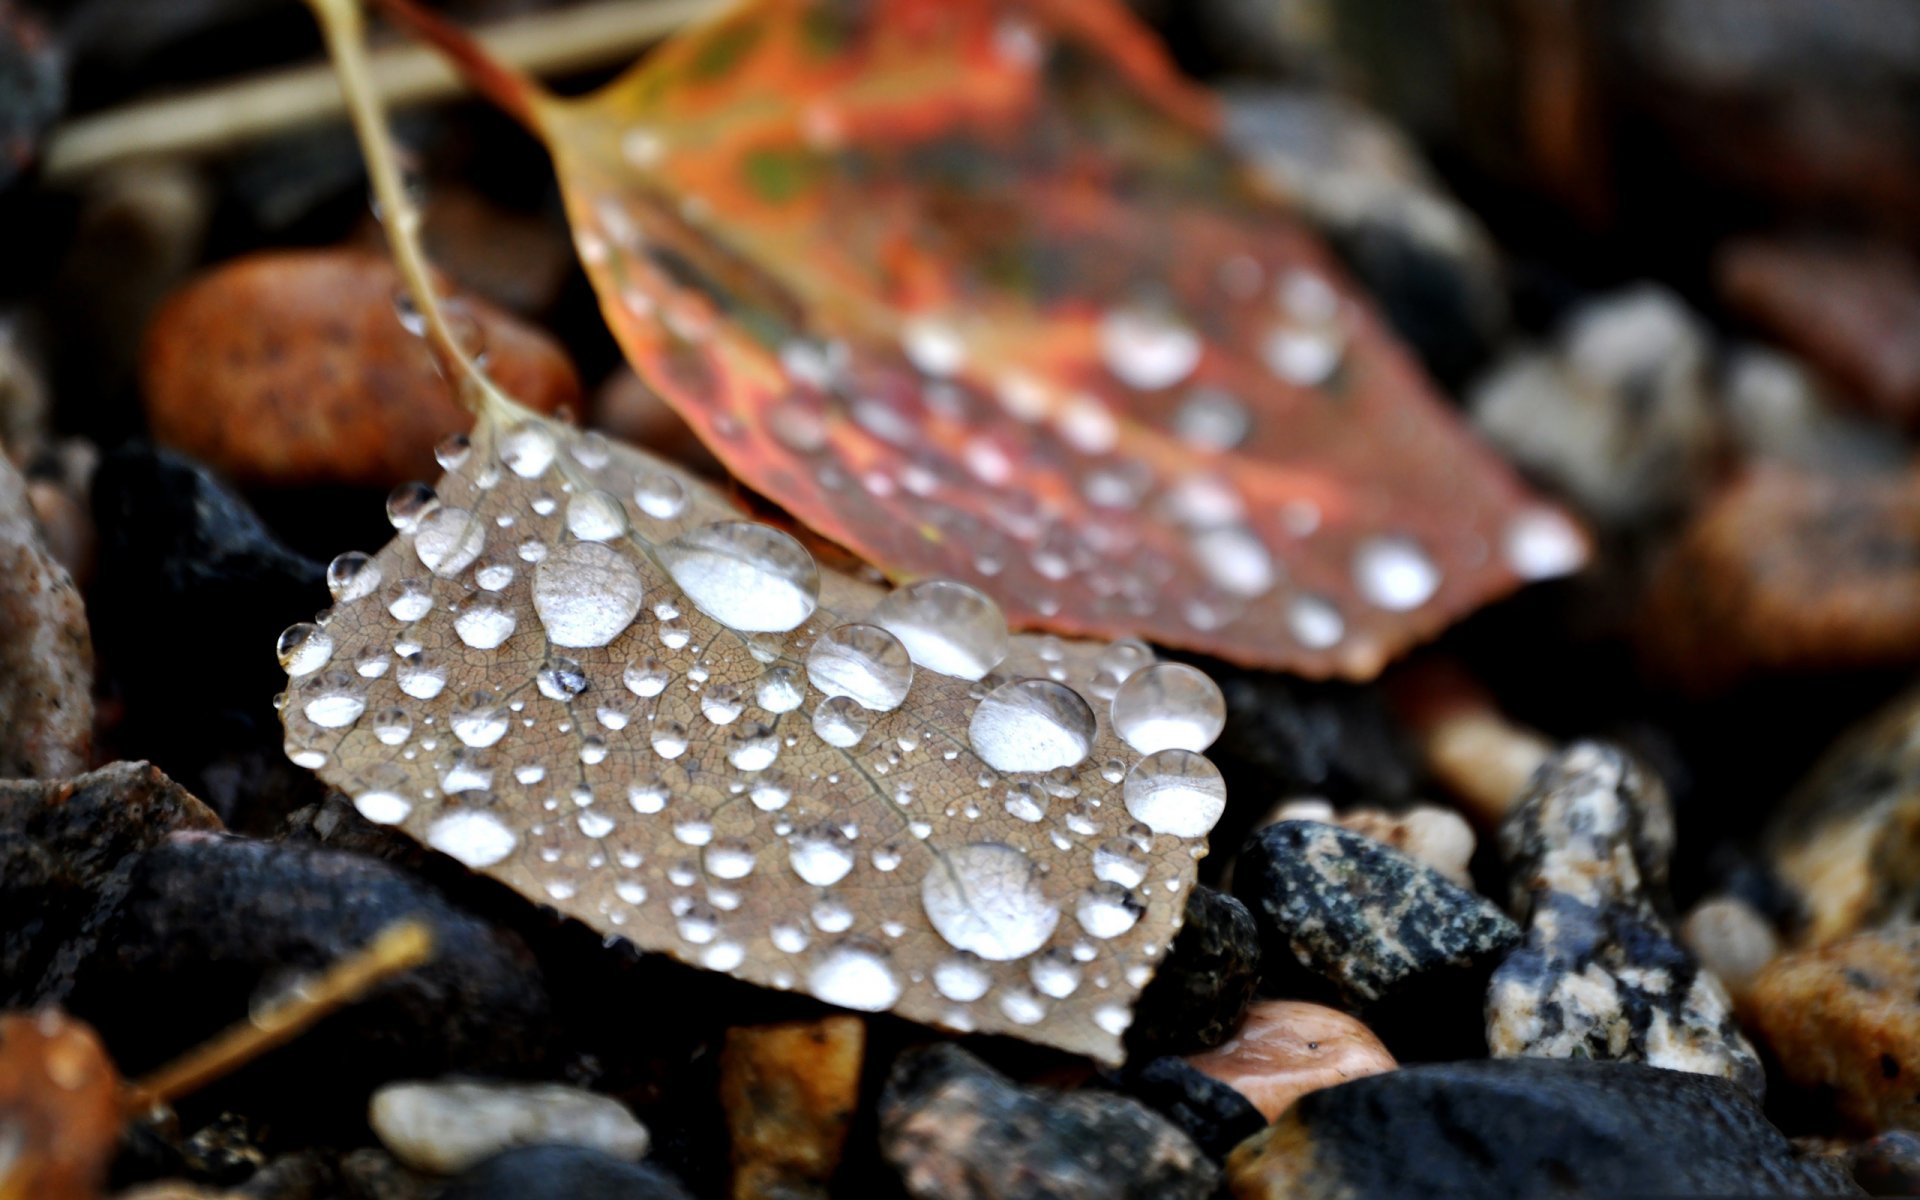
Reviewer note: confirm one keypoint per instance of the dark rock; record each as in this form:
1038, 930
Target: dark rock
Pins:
957, 1130
370, 1173
193, 589
208, 925
1370, 923
1202, 988
1214, 1115
1888, 1165
65, 850
33, 87
562, 1173
1600, 975
1526, 1127
46, 657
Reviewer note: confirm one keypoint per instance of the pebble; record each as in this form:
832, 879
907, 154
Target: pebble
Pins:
46, 655
1287, 1048
1785, 571
955, 1129
291, 367
1600, 976
65, 849
563, 1173
1525, 1127
1845, 1019
25, 405
1213, 1114
1618, 415
1365, 919
1887, 1165
446, 1126
1731, 939
1468, 744
1201, 988
1778, 410
1438, 837
790, 1091
1846, 840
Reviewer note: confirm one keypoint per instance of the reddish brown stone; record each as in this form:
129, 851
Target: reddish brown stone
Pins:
790, 1091
291, 367
1288, 1048
60, 1107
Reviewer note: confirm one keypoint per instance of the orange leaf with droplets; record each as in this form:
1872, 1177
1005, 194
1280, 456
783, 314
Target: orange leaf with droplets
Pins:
974, 289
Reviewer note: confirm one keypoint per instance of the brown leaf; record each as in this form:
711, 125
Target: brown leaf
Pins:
59, 1108
976, 290
681, 760
289, 367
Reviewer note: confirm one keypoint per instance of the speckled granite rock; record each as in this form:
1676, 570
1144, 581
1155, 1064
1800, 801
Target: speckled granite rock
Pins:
1845, 1019
1438, 837
1370, 922
46, 653
1600, 975
956, 1129
1526, 1128
1201, 989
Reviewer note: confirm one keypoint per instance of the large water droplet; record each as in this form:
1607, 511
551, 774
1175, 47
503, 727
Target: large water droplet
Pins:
586, 593
1147, 348
1394, 573
477, 839
985, 897
947, 627
528, 449
351, 576
304, 649
1169, 705
485, 627
854, 975
383, 808
1032, 725
1107, 910
821, 856
747, 576
840, 721
962, 978
1176, 792
596, 516
863, 662
448, 540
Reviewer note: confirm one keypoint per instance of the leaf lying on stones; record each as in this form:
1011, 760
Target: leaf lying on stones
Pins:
975, 290
580, 671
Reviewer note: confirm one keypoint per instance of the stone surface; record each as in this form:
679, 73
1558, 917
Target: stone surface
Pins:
33, 86
292, 367
1888, 1165
1786, 571
1289, 736
562, 1173
1847, 839
1287, 1048
957, 1130
1437, 837
1526, 1127
1730, 938
46, 655
1214, 1115
1470, 747
1600, 975
790, 1092
1845, 1019
1618, 416
1201, 988
1778, 410
446, 1126
66, 848
1373, 924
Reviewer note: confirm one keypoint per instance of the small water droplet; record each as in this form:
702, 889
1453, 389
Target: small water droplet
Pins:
408, 600
594, 824
1394, 573
721, 703
1107, 910
421, 676
821, 856
1542, 543
448, 540
351, 576
840, 721
475, 838
645, 677
753, 747
1119, 861
933, 346
1315, 622
1032, 725
560, 678
1055, 974
779, 690
392, 726
1211, 419
528, 449
304, 649
409, 504
337, 707
383, 808
1235, 560
669, 739
660, 496
484, 626
596, 516
647, 796
482, 723
1148, 348
854, 975
729, 859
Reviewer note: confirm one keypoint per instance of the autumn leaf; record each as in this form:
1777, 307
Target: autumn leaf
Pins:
975, 290
60, 1110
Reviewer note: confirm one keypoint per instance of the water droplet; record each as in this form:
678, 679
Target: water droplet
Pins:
1107, 910
854, 975
933, 346
1055, 974
392, 726
779, 690
1119, 861
821, 856
421, 676
448, 540
482, 724
753, 747
769, 795
1026, 801
528, 449
660, 496
477, 839
1032, 725
1112, 1018
383, 808
1305, 356
962, 978
484, 627
1176, 792
729, 859
747, 576
1542, 543
840, 721
494, 576
335, 708
647, 796
1147, 348
645, 677
863, 662
1169, 705
1394, 573
595, 824
409, 504
1210, 419
560, 678
721, 703
947, 627
1022, 1007
409, 600
985, 897
304, 649
1235, 560
1315, 622
351, 576
669, 739
596, 516
586, 593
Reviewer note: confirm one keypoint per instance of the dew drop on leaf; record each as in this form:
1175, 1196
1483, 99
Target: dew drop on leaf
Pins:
1169, 705
1032, 725
586, 593
855, 976
475, 838
947, 627
1107, 910
1175, 792
748, 577
351, 576
862, 662
304, 648
985, 898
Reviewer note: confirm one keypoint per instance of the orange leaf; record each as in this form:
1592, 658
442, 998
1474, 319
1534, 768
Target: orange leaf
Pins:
975, 290
59, 1108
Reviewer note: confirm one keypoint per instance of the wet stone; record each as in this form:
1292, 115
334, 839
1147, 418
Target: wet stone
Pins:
1888, 1165
563, 1173
1214, 1115
46, 656
957, 1130
790, 1092
1367, 922
1845, 1019
1288, 1048
1600, 974
1732, 939
1201, 989
446, 1126
1438, 837
1526, 1127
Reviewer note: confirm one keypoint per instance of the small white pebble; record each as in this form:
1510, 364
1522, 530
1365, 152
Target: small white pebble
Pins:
446, 1127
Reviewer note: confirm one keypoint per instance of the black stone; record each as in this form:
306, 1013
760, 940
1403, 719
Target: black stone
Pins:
33, 87
955, 1129
1213, 1114
1528, 1127
1379, 930
562, 1173
1202, 988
